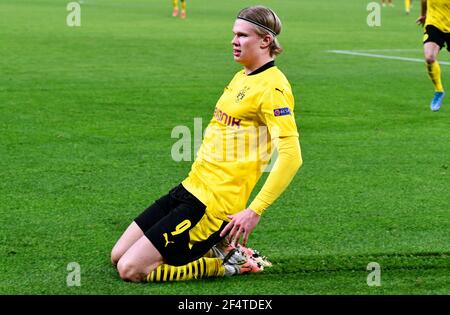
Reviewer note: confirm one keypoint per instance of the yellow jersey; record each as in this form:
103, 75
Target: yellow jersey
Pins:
237, 145
438, 14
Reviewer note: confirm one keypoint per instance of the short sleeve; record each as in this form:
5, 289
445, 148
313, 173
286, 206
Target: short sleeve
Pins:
277, 112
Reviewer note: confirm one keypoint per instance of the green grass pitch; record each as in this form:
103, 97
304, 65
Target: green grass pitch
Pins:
86, 115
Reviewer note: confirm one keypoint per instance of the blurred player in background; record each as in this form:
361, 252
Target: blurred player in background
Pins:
408, 6
176, 10
195, 230
383, 3
435, 17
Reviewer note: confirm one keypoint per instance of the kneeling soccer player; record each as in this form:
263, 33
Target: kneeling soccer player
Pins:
184, 234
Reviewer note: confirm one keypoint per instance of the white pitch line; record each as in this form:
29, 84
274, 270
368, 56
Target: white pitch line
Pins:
385, 50
349, 52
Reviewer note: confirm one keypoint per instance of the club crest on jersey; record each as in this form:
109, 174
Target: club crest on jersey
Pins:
281, 111
241, 94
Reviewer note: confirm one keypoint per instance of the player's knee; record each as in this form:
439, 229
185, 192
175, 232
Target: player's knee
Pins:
128, 271
115, 256
430, 58
116, 253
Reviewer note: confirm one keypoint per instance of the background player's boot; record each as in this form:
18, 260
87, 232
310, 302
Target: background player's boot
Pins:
175, 12
436, 102
183, 14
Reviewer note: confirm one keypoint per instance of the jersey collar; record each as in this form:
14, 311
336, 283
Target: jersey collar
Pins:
268, 65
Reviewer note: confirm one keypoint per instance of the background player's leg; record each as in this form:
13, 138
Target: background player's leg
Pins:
183, 9
407, 6
175, 8
431, 51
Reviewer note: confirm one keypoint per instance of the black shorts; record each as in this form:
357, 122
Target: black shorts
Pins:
435, 35
167, 224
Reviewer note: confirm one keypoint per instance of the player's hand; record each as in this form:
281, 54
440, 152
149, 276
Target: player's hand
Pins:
421, 20
242, 223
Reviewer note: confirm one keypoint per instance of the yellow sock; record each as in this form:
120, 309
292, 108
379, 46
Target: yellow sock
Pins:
407, 5
209, 254
175, 4
200, 268
434, 72
183, 5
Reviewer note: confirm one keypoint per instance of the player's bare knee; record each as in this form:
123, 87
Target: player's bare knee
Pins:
430, 58
115, 256
129, 271
114, 259
126, 270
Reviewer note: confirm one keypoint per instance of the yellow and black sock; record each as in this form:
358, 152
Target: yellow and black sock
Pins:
407, 5
175, 4
200, 268
434, 72
183, 5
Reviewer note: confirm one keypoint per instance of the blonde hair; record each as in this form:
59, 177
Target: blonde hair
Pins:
269, 23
